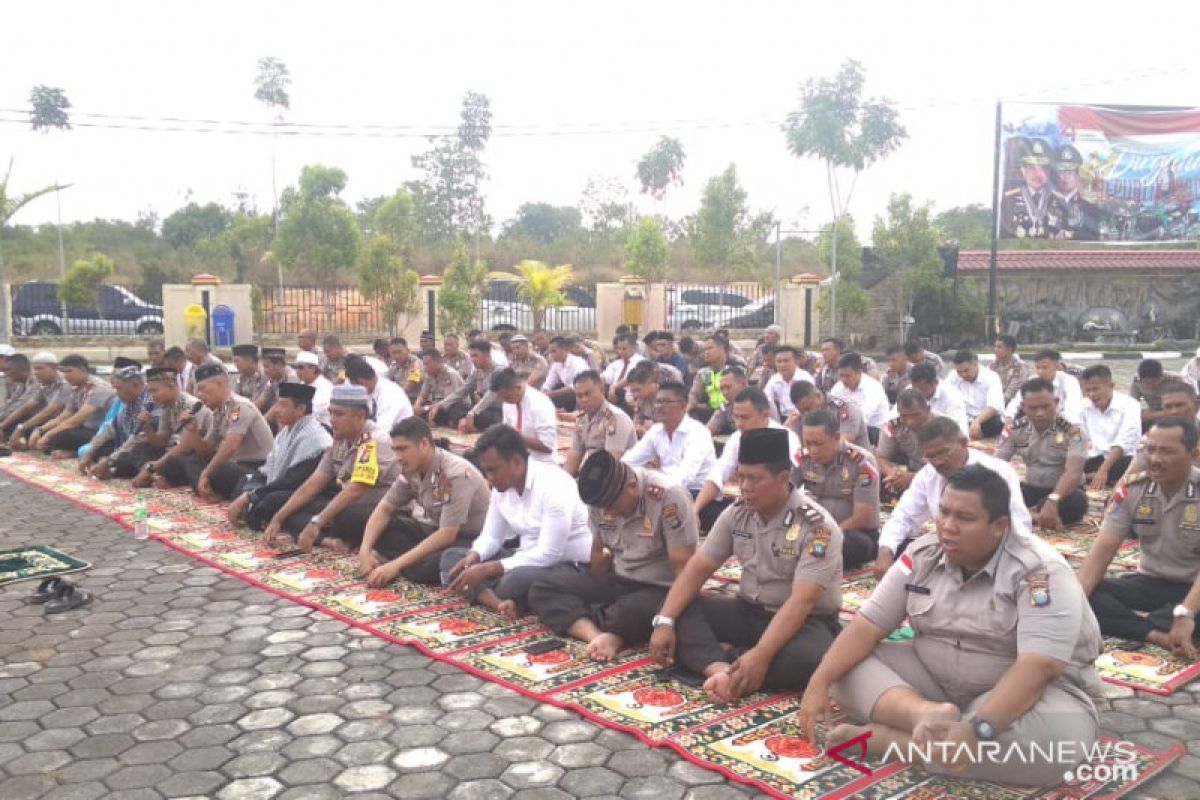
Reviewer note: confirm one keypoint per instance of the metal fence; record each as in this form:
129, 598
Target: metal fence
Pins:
115, 310
329, 309
736, 306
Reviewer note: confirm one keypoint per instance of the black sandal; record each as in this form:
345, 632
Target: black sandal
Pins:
69, 597
47, 589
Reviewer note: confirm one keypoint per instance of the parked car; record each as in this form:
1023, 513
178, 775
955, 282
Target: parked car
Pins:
709, 308
37, 311
755, 316
503, 310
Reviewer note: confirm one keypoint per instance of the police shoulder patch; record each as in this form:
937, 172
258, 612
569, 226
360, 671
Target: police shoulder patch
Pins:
1135, 477
654, 491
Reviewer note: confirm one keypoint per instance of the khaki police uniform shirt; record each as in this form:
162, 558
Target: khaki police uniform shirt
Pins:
404, 372
1151, 399
190, 385
663, 521
18, 395
95, 392
609, 429
533, 369
894, 382
643, 412
1168, 528
969, 631
168, 417
368, 460
1011, 375
436, 388
250, 386
802, 542
894, 438
1045, 454
237, 415
453, 494
477, 389
268, 392
47, 393
850, 420
852, 477
460, 362
334, 370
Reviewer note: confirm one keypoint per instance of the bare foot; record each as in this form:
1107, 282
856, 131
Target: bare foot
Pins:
604, 647
1160, 638
717, 688
161, 483
508, 610
335, 544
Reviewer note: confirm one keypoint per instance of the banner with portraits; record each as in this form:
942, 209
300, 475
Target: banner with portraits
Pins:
1099, 173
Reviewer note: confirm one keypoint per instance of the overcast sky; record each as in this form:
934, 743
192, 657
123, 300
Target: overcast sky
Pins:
723, 74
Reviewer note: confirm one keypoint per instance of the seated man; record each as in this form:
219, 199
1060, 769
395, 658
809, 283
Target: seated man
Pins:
643, 533
918, 355
1178, 400
751, 411
1053, 450
564, 367
451, 495
898, 452
455, 357
643, 389
21, 388
787, 374
440, 382
533, 501
943, 400
616, 374
1161, 507
733, 383
85, 400
249, 380
404, 368
677, 445
843, 478
1146, 389
895, 377
944, 446
530, 364
599, 426
308, 370
807, 398
857, 387
357, 469
299, 447
1112, 423
333, 365
476, 392
765, 367
1066, 388
705, 396
528, 412
277, 371
1002, 651
1008, 366
196, 354
41, 406
981, 393
119, 448
786, 613
172, 410
237, 443
665, 352
387, 403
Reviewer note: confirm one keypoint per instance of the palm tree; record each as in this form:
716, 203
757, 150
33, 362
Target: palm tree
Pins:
539, 285
9, 206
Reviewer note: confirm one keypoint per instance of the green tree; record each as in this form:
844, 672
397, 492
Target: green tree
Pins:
835, 124
317, 233
384, 281
463, 284
968, 226
449, 200
10, 204
544, 223
84, 279
186, 226
540, 286
48, 109
396, 218
661, 167
725, 238
647, 250
852, 298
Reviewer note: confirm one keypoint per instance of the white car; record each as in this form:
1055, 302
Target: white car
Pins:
705, 308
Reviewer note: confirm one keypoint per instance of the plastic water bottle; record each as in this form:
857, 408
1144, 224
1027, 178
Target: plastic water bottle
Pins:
141, 528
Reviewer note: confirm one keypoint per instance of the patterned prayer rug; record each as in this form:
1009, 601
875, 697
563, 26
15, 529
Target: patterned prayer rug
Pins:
1148, 669
36, 562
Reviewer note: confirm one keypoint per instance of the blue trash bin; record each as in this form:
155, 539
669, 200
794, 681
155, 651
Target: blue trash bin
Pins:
222, 326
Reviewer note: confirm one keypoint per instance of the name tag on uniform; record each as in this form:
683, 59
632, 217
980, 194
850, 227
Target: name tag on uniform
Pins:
742, 535
912, 587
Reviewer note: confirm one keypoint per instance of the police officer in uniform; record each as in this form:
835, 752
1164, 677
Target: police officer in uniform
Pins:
1003, 648
250, 380
785, 614
1025, 211
276, 370
599, 426
441, 381
1076, 218
733, 383
843, 478
643, 533
898, 452
1054, 451
1162, 508
852, 427
450, 500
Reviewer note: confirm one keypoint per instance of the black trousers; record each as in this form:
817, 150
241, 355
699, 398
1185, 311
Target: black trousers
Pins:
1115, 600
993, 427
858, 547
224, 480
708, 517
449, 416
258, 514
128, 463
712, 620
616, 605
1070, 509
703, 413
488, 417
564, 401
1114, 474
71, 439
873, 435
403, 533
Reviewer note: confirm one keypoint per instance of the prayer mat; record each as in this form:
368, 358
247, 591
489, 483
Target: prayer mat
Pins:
856, 588
36, 562
1149, 669
753, 741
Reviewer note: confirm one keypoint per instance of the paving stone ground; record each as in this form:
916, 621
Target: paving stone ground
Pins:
179, 681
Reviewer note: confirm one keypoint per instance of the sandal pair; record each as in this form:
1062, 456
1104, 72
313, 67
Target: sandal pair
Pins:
58, 595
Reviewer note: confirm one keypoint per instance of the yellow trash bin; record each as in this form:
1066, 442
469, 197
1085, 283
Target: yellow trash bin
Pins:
195, 321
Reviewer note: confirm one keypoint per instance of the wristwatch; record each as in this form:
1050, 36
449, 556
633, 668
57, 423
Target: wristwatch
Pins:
316, 520
1054, 497
1183, 612
662, 619
984, 731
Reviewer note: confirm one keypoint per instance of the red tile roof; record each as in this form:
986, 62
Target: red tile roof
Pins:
1082, 260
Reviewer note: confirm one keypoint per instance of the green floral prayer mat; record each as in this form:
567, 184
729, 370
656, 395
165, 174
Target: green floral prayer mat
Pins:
36, 562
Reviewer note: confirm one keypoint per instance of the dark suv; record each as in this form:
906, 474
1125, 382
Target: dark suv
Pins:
36, 311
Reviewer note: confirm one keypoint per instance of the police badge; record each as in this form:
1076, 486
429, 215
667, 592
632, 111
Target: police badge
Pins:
1039, 589
820, 542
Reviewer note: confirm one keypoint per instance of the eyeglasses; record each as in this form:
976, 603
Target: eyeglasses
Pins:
661, 401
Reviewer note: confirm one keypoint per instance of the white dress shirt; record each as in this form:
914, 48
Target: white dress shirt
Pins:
499, 357
1119, 425
919, 503
725, 466
535, 417
984, 392
389, 404
619, 370
547, 517
686, 456
1070, 399
779, 390
870, 397
381, 369
946, 402
320, 403
562, 373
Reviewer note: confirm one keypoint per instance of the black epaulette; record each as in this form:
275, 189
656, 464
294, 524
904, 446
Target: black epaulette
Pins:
1135, 477
1063, 424
1021, 423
